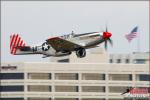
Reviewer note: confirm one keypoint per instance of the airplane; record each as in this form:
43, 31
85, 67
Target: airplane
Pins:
61, 45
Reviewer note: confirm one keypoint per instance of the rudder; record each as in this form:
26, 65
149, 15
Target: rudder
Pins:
15, 41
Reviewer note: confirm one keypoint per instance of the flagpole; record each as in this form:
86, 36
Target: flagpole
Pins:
138, 42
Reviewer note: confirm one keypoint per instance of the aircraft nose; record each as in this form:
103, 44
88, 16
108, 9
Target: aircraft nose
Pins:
107, 35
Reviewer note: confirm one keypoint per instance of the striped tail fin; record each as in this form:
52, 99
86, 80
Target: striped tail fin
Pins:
15, 41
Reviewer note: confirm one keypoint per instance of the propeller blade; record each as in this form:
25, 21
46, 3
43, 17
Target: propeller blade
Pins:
106, 29
110, 41
105, 44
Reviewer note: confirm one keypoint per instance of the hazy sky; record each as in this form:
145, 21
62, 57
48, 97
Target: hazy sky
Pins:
38, 20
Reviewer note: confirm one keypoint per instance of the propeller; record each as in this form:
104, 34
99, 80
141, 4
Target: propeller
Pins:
106, 36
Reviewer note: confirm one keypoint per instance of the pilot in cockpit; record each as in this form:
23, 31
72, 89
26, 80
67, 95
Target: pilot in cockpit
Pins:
72, 34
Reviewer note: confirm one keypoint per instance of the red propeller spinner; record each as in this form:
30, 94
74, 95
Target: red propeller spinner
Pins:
106, 35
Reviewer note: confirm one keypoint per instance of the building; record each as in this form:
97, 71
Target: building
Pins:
135, 57
76, 80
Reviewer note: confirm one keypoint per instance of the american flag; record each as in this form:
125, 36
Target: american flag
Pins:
132, 34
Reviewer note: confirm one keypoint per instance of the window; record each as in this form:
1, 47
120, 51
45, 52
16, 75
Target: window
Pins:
93, 89
63, 60
140, 61
11, 88
39, 76
121, 99
120, 77
12, 98
127, 60
66, 76
66, 99
93, 76
143, 77
110, 61
66, 88
38, 98
92, 99
118, 60
117, 89
39, 88
11, 76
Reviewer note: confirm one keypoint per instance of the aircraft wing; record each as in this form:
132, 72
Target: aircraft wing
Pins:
60, 44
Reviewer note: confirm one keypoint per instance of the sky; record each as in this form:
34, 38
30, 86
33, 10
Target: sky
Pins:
37, 21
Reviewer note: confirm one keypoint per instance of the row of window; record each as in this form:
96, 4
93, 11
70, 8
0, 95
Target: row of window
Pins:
135, 61
75, 76
35, 98
47, 88
119, 61
67, 99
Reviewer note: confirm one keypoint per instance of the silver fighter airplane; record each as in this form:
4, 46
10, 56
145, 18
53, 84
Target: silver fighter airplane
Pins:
61, 45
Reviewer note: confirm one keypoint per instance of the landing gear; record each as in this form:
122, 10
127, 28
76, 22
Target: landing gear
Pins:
81, 52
